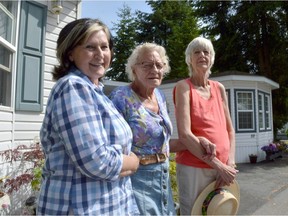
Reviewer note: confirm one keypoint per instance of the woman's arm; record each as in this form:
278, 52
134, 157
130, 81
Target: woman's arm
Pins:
186, 137
230, 129
176, 146
130, 164
199, 147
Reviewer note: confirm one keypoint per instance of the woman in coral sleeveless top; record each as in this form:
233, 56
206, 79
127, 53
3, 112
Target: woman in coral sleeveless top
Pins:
204, 127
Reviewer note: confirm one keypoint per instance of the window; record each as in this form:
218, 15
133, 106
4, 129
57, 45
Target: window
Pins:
7, 49
245, 110
261, 116
264, 111
267, 103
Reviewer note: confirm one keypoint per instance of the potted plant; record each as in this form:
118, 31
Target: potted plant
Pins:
274, 150
253, 158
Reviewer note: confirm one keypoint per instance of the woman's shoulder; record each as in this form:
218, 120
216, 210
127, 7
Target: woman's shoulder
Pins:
183, 84
120, 92
217, 84
69, 81
123, 90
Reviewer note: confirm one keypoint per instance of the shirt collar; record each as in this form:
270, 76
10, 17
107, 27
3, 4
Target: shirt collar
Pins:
77, 72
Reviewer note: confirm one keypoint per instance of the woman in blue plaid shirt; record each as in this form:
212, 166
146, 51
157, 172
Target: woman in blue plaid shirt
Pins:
86, 141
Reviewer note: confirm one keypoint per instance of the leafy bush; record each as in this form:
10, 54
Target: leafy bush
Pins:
173, 178
31, 175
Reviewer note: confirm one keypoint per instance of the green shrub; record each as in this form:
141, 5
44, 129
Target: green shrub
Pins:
173, 178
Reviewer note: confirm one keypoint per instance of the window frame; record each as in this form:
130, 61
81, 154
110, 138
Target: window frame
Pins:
10, 45
266, 112
252, 111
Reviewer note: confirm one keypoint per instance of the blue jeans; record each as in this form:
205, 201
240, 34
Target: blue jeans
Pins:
152, 189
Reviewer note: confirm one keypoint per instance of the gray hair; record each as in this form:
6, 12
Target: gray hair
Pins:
139, 51
196, 44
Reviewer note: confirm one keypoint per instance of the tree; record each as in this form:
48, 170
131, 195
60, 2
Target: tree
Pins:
124, 42
173, 25
251, 36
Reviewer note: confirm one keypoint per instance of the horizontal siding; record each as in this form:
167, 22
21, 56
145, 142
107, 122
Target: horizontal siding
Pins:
5, 136
27, 124
6, 129
5, 126
28, 136
29, 117
4, 145
5, 116
246, 139
48, 75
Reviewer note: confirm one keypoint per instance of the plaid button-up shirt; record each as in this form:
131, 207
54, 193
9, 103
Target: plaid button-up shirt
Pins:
83, 137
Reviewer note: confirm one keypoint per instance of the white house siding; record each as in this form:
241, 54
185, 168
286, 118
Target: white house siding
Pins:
22, 127
6, 129
249, 142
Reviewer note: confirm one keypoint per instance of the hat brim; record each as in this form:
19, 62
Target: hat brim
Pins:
197, 207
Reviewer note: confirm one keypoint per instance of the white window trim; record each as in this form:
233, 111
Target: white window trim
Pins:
261, 112
268, 112
252, 92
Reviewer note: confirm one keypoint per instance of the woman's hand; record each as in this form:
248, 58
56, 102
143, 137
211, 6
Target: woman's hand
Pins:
209, 147
133, 162
226, 175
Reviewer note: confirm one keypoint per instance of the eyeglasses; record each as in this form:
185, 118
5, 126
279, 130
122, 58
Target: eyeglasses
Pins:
150, 65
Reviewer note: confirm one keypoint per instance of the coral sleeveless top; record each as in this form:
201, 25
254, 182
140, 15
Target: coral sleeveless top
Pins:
207, 120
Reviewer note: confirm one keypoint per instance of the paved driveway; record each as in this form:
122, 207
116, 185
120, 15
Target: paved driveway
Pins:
264, 187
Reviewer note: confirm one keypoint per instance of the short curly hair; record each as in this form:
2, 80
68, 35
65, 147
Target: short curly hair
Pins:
139, 51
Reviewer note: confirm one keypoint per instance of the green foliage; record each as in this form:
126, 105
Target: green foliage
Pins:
172, 25
124, 43
37, 176
173, 178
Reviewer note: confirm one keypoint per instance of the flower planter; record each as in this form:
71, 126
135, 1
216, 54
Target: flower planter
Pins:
270, 156
253, 159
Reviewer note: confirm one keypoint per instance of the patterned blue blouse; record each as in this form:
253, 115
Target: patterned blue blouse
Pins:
151, 131
83, 137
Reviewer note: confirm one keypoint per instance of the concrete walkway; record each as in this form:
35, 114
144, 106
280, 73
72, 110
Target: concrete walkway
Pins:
264, 187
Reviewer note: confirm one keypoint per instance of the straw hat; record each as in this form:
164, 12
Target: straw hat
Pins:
220, 201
